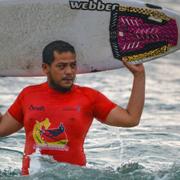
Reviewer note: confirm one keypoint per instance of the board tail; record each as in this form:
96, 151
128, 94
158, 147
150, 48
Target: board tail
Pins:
141, 33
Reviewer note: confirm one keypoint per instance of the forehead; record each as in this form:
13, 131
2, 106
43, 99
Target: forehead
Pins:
64, 57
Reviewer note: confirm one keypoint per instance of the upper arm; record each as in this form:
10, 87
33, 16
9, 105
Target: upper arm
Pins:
120, 117
9, 125
102, 106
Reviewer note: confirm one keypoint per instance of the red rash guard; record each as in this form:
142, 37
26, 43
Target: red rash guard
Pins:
57, 123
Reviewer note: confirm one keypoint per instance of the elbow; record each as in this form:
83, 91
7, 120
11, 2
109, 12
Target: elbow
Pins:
134, 123
129, 124
2, 133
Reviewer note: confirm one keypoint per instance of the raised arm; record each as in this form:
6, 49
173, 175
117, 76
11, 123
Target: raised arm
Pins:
130, 116
8, 125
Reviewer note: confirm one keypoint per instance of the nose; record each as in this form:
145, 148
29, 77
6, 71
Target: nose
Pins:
68, 70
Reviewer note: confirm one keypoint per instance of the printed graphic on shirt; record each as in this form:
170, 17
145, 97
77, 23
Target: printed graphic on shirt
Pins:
50, 139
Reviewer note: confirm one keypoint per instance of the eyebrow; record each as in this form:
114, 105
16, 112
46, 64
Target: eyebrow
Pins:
65, 63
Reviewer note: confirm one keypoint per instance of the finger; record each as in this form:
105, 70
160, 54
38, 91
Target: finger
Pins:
0, 115
131, 66
124, 59
126, 63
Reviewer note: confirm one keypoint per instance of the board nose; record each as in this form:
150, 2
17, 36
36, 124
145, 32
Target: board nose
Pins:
138, 33
178, 24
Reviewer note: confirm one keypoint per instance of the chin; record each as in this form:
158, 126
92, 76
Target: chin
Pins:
66, 85
65, 88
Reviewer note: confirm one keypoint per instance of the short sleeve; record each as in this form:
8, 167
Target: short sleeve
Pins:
16, 109
102, 107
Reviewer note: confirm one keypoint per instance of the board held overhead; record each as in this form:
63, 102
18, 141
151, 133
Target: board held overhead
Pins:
102, 32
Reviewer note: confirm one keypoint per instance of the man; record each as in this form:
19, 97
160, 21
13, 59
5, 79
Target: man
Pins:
57, 114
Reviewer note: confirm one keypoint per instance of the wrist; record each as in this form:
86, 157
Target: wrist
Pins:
139, 74
0, 116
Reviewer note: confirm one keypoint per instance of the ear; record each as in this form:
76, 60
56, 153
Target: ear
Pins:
45, 68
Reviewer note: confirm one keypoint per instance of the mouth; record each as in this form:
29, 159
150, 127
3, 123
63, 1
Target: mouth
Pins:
68, 80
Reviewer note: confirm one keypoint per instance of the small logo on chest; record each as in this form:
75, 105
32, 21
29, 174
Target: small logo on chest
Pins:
36, 108
72, 108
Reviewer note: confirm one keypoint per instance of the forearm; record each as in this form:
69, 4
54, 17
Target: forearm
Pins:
1, 116
8, 125
137, 98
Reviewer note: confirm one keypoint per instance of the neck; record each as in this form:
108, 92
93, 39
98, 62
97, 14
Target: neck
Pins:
59, 88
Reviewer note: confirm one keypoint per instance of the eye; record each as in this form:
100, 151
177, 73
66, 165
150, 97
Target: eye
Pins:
73, 65
61, 66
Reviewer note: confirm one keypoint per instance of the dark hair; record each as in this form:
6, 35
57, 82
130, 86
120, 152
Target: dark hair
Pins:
59, 46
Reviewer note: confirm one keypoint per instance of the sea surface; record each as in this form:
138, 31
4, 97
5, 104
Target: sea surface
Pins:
150, 151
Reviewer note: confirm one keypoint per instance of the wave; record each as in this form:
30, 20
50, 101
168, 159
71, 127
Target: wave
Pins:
130, 171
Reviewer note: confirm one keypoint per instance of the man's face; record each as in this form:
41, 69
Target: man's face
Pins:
62, 72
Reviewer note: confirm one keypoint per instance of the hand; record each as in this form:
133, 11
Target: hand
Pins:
0, 116
136, 69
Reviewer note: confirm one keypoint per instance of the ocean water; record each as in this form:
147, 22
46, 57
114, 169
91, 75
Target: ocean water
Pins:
150, 151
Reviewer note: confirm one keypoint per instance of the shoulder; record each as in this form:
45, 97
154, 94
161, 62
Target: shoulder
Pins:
86, 90
94, 95
32, 89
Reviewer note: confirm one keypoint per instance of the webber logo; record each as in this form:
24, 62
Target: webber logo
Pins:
93, 5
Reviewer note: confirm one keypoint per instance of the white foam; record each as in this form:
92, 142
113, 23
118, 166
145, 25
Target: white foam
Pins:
39, 162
